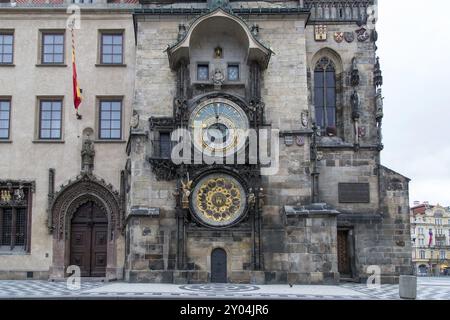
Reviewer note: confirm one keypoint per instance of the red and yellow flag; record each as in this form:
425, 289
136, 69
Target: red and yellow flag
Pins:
76, 89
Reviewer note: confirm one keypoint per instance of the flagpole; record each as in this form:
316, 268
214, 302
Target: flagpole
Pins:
76, 90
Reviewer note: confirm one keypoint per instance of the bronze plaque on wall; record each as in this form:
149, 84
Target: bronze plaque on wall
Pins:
354, 193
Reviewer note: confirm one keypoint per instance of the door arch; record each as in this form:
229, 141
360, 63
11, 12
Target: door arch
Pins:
219, 266
88, 240
85, 189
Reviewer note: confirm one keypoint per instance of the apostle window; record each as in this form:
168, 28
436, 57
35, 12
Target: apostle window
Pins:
14, 217
325, 94
6, 48
202, 72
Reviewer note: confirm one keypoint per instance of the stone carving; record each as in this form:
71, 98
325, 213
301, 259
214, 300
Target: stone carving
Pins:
349, 37
186, 189
87, 155
305, 119
255, 30
374, 36
134, 121
355, 103
5, 196
362, 35
377, 76
19, 194
300, 141
338, 37
181, 31
214, 4
379, 116
362, 131
379, 105
354, 76
163, 169
218, 78
395, 185
320, 33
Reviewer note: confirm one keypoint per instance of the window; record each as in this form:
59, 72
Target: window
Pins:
421, 242
6, 48
165, 148
110, 119
82, 1
233, 72
325, 94
420, 230
442, 255
52, 48
438, 222
13, 218
5, 114
202, 72
50, 119
422, 254
111, 48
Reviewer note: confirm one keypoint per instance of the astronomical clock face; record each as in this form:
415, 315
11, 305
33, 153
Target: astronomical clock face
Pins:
218, 200
218, 127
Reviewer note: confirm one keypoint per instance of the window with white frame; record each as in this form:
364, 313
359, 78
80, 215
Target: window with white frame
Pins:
422, 254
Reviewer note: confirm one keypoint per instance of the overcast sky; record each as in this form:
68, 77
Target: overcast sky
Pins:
414, 50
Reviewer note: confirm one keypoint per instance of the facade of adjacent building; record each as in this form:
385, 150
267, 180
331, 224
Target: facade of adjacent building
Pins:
113, 192
430, 234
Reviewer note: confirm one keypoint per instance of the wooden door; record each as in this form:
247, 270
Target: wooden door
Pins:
343, 254
88, 248
218, 266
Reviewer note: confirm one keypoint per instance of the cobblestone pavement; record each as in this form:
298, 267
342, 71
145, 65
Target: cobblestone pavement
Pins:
428, 289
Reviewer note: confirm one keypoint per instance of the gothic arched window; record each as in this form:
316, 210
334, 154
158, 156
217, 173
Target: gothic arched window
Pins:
325, 93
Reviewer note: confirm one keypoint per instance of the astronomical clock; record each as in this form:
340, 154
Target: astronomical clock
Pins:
219, 195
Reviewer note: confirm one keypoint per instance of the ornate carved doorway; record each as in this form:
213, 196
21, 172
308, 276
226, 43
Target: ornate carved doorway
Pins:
219, 266
88, 241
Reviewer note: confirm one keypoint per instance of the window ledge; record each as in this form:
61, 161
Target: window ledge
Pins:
5, 141
109, 141
14, 253
49, 141
7, 65
54, 65
116, 65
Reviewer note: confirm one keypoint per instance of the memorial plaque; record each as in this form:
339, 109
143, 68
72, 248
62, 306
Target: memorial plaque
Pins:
354, 193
